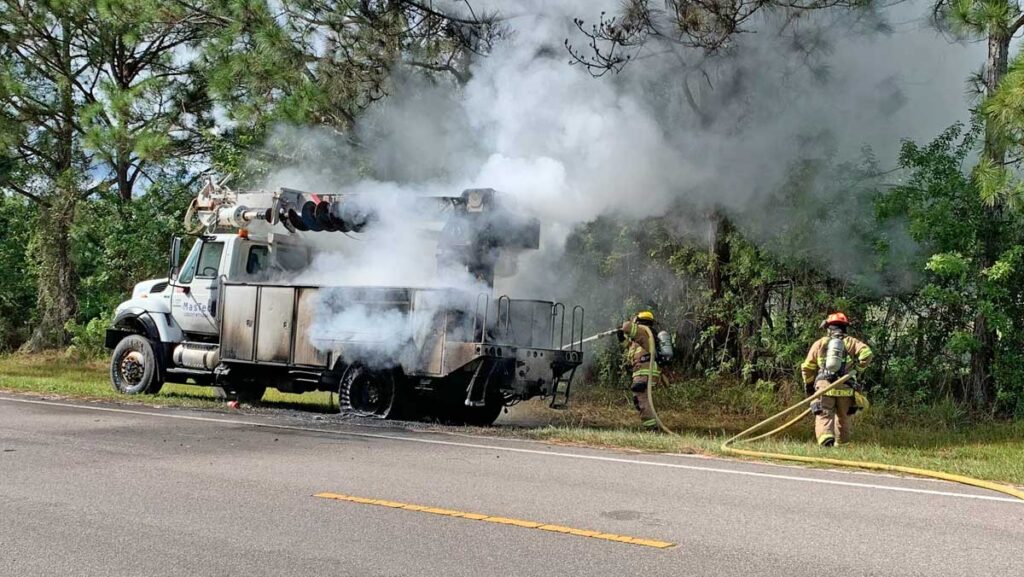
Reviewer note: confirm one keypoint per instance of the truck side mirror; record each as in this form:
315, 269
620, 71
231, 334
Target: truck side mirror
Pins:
175, 264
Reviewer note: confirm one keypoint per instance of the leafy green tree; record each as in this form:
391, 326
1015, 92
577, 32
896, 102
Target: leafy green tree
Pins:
695, 41
321, 62
997, 23
93, 94
118, 244
710, 26
17, 279
146, 108
38, 66
944, 209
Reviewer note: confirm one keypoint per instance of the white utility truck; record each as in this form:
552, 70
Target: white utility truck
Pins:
229, 318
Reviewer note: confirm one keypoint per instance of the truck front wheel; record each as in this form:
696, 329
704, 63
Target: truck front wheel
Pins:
134, 368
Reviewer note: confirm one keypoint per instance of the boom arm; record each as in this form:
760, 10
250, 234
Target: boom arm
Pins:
477, 227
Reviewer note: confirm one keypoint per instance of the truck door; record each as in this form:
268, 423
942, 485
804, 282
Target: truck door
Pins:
194, 300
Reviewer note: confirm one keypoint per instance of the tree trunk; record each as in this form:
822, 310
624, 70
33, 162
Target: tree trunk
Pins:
719, 254
752, 332
995, 70
790, 325
124, 185
981, 391
727, 337
981, 387
51, 250
55, 292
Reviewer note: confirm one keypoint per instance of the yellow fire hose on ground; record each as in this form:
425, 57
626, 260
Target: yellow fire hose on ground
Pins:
727, 446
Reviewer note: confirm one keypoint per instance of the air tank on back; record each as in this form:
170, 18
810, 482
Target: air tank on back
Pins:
835, 354
665, 351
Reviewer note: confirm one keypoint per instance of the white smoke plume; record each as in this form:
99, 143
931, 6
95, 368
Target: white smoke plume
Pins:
569, 148
374, 326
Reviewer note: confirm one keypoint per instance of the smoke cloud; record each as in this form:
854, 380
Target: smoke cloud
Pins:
676, 133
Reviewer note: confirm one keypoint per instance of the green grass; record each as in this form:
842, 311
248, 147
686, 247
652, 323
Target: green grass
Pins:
989, 455
937, 436
58, 375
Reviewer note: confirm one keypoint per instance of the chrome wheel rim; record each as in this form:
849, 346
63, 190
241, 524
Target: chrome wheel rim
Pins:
132, 368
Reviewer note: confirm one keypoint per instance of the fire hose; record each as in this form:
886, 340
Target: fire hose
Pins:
727, 446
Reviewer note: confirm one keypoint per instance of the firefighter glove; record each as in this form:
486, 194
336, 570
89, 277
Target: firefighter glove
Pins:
809, 388
620, 335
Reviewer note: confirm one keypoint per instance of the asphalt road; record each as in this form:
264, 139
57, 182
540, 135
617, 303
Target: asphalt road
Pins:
91, 489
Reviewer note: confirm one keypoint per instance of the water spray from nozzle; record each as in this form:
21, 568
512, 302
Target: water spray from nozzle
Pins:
607, 333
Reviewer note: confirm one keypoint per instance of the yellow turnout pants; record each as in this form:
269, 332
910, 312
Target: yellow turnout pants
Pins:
639, 389
834, 422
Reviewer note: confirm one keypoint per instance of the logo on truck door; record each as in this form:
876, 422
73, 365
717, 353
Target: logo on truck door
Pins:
195, 309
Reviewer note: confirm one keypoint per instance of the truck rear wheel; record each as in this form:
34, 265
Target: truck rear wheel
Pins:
480, 416
371, 393
455, 411
134, 368
250, 394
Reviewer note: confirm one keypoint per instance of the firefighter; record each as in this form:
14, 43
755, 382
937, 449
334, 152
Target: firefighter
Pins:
831, 357
638, 356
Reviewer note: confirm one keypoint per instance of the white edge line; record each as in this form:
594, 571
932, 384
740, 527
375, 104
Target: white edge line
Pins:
231, 421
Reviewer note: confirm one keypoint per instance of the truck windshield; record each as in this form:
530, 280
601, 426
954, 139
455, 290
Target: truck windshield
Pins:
202, 262
209, 260
188, 270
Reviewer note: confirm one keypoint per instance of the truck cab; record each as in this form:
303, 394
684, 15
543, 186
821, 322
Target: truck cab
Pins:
192, 296
184, 307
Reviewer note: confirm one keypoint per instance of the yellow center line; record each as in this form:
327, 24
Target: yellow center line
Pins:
500, 520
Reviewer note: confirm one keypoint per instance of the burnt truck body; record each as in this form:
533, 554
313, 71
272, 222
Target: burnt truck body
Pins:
443, 353
391, 352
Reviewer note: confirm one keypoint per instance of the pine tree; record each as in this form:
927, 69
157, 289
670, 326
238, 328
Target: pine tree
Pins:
90, 92
996, 22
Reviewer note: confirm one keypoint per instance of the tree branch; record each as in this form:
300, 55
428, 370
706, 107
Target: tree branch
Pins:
37, 199
1015, 25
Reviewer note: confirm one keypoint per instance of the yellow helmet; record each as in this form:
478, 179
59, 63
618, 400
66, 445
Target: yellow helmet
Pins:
645, 316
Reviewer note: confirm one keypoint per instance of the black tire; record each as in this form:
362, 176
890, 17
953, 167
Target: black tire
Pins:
248, 394
134, 367
251, 394
481, 416
457, 413
370, 393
